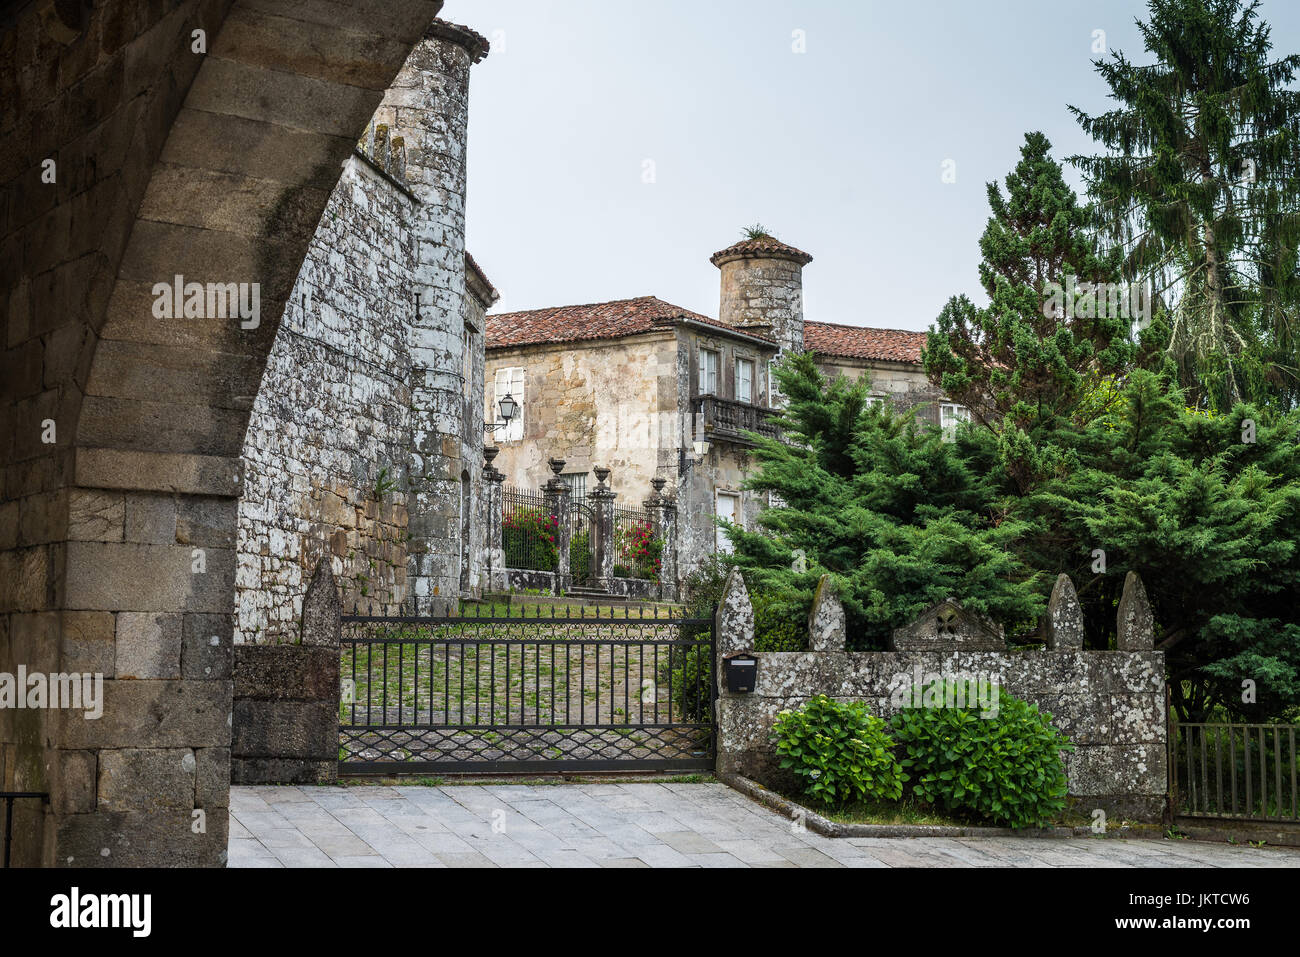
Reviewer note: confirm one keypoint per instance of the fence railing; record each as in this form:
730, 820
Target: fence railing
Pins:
528, 533
8, 797
730, 420
1245, 771
638, 547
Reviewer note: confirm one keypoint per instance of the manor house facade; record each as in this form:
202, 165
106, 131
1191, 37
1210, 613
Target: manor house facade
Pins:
654, 391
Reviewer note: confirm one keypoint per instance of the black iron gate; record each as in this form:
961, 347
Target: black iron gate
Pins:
562, 689
582, 542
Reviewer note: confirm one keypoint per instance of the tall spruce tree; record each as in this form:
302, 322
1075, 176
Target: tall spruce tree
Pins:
1055, 323
1200, 188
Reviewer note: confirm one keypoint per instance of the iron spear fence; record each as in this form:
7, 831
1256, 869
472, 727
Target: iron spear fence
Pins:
1245, 771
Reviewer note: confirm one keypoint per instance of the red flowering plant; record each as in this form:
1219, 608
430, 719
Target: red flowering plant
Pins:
528, 538
639, 550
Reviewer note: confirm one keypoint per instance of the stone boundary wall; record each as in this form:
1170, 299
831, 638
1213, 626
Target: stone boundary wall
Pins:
1111, 704
285, 725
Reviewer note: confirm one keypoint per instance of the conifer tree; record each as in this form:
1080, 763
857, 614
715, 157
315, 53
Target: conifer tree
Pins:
1200, 188
1056, 322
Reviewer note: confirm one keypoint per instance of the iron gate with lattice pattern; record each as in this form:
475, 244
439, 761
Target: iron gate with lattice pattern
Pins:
627, 690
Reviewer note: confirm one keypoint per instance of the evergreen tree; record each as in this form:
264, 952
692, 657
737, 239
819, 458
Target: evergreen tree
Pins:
1201, 190
1055, 322
899, 517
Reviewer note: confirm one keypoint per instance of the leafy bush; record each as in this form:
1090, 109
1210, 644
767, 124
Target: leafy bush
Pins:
580, 556
838, 751
779, 623
1004, 766
528, 539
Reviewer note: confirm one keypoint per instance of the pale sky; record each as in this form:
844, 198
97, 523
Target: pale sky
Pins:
838, 150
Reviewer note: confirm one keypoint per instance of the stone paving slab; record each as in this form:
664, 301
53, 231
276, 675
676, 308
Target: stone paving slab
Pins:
641, 824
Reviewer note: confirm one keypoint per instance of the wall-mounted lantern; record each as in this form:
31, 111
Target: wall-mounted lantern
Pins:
507, 409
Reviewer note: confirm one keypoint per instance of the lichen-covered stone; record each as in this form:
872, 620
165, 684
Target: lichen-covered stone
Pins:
1064, 617
826, 628
1135, 625
946, 626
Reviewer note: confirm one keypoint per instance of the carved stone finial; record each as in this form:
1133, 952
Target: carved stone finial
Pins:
1064, 617
946, 626
1134, 624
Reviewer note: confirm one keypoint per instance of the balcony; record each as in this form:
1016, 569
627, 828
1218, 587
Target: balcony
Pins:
728, 421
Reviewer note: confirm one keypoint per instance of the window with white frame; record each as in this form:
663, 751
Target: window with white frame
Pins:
950, 416
509, 382
577, 484
708, 372
745, 380
875, 400
727, 509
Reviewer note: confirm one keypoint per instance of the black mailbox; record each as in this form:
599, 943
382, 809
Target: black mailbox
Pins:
742, 672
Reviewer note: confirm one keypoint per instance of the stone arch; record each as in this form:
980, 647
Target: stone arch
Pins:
116, 539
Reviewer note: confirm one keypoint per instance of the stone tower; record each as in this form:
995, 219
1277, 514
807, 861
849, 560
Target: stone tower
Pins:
762, 289
427, 108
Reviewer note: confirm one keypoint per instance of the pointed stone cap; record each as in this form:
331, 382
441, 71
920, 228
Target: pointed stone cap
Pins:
826, 628
1134, 625
764, 247
322, 612
735, 624
1064, 617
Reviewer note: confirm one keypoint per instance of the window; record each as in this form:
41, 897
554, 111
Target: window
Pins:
950, 416
728, 509
745, 380
509, 382
577, 484
708, 372
875, 400
466, 362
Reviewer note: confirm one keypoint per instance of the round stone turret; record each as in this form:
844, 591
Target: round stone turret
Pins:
762, 288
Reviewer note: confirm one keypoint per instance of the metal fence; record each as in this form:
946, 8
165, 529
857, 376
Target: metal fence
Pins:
1245, 771
563, 689
528, 532
638, 547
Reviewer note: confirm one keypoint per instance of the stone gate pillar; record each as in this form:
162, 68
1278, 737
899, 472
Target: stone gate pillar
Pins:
494, 555
558, 496
602, 503
664, 510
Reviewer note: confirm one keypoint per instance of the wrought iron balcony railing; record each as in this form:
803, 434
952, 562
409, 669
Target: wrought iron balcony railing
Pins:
728, 421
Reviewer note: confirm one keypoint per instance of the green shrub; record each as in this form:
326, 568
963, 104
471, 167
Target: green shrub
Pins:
1004, 766
528, 539
779, 623
838, 751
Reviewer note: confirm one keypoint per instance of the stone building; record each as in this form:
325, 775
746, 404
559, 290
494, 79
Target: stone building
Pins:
654, 391
365, 442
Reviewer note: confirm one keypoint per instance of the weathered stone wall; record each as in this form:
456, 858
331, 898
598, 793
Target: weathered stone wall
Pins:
428, 108
904, 385
611, 404
766, 293
327, 449
1111, 704
213, 164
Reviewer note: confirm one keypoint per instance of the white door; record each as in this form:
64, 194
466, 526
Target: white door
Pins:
728, 509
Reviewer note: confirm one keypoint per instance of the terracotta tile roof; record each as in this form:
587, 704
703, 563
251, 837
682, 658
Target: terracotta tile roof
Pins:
759, 248
861, 342
601, 320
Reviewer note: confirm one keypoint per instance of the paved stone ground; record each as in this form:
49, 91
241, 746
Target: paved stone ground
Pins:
628, 825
